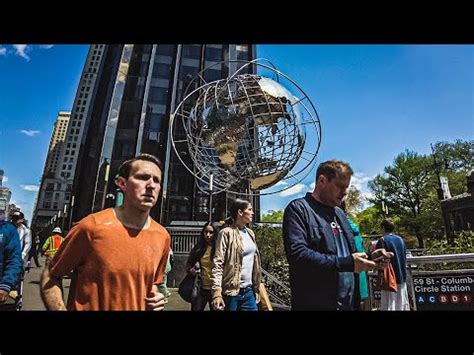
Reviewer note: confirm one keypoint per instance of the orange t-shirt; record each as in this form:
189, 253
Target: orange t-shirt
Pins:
114, 267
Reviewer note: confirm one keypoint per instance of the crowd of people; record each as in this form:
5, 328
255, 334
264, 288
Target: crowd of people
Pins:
118, 258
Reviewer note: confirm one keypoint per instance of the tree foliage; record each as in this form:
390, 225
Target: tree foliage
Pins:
354, 201
273, 216
408, 187
403, 188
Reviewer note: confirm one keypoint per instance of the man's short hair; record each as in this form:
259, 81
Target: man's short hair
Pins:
387, 225
126, 167
332, 168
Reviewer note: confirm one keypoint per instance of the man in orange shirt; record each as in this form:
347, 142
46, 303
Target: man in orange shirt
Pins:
118, 255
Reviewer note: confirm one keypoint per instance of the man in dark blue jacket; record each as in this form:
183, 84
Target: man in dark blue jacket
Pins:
319, 245
10, 257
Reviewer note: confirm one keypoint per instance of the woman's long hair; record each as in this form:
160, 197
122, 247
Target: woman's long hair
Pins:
201, 245
237, 204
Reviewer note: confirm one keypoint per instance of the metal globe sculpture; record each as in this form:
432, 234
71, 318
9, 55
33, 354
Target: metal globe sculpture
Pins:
246, 130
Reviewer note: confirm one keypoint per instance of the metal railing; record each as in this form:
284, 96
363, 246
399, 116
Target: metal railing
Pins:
276, 300
183, 239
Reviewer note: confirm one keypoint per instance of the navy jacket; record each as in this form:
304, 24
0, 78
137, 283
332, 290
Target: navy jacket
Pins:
10, 256
312, 256
395, 244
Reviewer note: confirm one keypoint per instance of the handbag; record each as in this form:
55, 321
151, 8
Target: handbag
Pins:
189, 288
385, 279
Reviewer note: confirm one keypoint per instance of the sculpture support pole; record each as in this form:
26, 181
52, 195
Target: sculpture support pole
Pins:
210, 196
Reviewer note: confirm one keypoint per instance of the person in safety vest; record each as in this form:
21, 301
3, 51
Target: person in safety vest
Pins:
52, 244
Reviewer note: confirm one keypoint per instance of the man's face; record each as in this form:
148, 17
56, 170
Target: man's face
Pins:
142, 187
334, 191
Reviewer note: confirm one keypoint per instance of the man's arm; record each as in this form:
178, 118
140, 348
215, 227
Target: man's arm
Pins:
12, 263
46, 244
51, 290
298, 251
27, 246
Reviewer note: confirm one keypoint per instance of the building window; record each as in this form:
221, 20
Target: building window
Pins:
192, 51
48, 196
214, 54
50, 186
165, 49
47, 204
158, 95
161, 70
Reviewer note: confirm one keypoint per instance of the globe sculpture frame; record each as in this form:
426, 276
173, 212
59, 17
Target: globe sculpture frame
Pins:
246, 132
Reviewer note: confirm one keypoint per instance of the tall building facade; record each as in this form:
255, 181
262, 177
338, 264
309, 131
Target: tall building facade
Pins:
57, 139
58, 175
137, 89
49, 199
5, 196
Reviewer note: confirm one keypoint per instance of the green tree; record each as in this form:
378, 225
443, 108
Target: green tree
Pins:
455, 160
273, 216
404, 187
354, 201
369, 220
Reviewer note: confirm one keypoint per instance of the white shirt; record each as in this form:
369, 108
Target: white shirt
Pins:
25, 240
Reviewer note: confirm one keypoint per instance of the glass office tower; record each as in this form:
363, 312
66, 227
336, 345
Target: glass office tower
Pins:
137, 89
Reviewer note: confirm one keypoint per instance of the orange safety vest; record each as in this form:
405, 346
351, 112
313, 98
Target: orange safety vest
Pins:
54, 243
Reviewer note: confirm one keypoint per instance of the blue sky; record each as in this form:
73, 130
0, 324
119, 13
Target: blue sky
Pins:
374, 101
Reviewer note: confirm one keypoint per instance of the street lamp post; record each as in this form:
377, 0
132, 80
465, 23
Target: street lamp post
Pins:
70, 212
64, 217
211, 181
106, 180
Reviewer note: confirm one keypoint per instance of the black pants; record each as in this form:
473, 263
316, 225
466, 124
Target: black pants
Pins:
205, 297
34, 255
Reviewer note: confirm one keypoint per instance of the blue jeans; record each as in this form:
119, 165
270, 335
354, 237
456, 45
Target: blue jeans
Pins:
244, 301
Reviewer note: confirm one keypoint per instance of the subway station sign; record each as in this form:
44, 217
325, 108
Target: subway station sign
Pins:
444, 291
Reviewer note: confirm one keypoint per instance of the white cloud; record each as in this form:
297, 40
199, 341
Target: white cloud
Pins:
360, 181
3, 51
30, 133
30, 187
293, 190
46, 46
21, 50
311, 187
281, 183
5, 178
